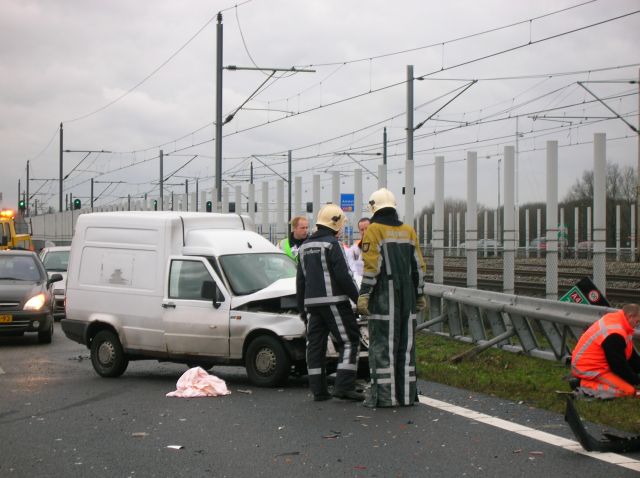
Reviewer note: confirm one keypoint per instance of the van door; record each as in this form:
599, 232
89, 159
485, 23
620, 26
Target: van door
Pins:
195, 309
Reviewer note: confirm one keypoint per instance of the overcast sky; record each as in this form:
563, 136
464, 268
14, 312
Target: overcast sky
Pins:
67, 60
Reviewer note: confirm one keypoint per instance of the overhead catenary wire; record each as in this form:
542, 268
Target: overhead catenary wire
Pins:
255, 126
153, 72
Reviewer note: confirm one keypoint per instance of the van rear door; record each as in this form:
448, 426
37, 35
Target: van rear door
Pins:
194, 323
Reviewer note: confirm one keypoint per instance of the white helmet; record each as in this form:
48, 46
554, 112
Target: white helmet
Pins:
331, 216
380, 199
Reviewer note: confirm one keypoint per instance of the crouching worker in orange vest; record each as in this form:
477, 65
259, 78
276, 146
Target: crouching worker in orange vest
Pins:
605, 360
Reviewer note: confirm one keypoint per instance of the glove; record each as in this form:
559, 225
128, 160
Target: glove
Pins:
362, 307
303, 317
421, 303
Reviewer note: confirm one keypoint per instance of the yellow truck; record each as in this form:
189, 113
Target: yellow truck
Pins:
9, 238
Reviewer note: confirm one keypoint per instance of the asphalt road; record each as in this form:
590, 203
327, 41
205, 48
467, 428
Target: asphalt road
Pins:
58, 418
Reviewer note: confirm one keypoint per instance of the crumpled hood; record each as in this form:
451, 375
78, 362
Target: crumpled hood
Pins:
280, 288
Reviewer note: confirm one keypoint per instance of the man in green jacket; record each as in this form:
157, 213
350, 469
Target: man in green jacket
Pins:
299, 233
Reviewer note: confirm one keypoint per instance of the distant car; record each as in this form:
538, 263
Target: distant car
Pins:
489, 244
26, 301
584, 248
541, 243
56, 261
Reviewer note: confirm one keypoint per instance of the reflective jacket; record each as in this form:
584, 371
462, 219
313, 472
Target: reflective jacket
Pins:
588, 359
391, 253
323, 275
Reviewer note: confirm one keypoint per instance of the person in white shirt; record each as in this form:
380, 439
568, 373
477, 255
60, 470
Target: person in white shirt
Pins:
354, 253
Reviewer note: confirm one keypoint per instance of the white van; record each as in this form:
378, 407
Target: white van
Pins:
194, 288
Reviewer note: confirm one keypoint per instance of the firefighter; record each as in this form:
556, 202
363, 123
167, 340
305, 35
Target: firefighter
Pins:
323, 288
299, 232
604, 359
391, 293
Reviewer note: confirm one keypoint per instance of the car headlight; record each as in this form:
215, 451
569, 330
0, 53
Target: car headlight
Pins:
36, 302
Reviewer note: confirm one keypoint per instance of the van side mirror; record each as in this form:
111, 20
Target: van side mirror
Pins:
211, 292
208, 290
55, 278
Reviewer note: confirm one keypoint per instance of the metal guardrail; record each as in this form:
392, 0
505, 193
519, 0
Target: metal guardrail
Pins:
541, 328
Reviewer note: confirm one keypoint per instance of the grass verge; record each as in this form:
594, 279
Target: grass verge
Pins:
519, 378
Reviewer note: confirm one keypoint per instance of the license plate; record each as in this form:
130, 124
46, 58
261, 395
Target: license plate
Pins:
6, 318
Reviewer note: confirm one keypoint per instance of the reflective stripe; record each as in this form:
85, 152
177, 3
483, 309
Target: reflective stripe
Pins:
314, 371
327, 276
379, 317
319, 244
387, 262
346, 366
391, 345
326, 300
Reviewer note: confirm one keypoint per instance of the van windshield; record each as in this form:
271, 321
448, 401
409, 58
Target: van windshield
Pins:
249, 273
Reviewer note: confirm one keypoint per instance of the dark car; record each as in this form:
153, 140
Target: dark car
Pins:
26, 301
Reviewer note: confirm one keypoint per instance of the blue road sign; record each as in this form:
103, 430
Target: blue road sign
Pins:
347, 202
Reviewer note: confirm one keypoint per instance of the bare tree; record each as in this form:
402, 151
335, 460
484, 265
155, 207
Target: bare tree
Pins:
621, 185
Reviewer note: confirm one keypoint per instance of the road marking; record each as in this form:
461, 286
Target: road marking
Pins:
1, 371
544, 437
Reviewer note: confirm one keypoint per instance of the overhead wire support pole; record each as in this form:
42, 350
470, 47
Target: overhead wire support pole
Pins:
637, 131
419, 125
219, 122
289, 181
409, 166
61, 173
218, 139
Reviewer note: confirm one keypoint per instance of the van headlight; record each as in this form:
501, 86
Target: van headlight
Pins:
36, 302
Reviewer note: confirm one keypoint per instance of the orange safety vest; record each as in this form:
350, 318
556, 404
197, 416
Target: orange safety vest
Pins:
588, 359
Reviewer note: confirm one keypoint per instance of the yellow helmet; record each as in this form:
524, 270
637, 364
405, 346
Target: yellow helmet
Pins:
380, 199
331, 216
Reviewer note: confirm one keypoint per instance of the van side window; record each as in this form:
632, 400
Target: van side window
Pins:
186, 279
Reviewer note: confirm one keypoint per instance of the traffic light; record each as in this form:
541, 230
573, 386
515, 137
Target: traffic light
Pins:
209, 206
21, 205
77, 204
155, 204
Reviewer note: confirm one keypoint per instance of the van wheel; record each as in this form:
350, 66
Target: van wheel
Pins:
44, 337
267, 362
107, 356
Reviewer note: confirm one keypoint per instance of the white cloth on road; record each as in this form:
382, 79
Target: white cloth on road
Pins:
196, 382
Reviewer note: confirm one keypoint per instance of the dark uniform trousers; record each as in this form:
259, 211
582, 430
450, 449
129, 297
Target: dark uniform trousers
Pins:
337, 319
